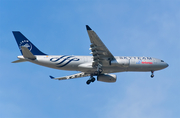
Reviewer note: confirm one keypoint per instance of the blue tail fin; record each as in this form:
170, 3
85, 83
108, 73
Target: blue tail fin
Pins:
23, 41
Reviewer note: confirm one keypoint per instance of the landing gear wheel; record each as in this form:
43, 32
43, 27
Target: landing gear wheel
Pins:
88, 82
93, 79
152, 76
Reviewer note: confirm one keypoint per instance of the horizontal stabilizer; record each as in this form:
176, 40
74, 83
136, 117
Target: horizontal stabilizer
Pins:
78, 75
27, 54
20, 60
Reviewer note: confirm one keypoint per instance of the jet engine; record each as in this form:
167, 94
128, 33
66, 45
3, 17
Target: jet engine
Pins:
107, 78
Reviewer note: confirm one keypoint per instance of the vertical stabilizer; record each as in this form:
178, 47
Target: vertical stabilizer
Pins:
23, 41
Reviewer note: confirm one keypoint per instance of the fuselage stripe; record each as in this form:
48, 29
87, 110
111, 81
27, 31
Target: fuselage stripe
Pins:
65, 58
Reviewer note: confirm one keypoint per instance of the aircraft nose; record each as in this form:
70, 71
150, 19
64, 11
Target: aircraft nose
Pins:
166, 65
162, 65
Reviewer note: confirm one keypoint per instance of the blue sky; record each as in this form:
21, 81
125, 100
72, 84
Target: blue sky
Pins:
128, 28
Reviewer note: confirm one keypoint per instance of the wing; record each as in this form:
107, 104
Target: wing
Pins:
78, 75
101, 54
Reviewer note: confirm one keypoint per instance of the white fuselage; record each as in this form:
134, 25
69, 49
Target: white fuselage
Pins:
84, 63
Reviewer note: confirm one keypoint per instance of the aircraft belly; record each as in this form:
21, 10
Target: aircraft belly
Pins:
114, 69
105, 70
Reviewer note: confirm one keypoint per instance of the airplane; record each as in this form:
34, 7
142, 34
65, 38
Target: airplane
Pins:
100, 64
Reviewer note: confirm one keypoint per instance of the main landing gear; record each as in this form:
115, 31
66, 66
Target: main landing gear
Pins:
92, 79
98, 72
152, 74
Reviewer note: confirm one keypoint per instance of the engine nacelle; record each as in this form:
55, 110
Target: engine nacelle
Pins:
106, 78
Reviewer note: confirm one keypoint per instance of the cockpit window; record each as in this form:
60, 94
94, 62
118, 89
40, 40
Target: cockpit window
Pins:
162, 61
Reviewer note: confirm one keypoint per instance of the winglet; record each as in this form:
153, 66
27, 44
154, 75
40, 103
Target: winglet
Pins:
88, 28
51, 77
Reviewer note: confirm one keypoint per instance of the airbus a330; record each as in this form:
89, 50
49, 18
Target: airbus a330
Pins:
100, 64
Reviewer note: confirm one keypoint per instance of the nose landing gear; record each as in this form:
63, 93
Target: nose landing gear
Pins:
152, 75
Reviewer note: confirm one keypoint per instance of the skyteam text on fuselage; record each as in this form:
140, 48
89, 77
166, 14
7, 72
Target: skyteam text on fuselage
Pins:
100, 64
